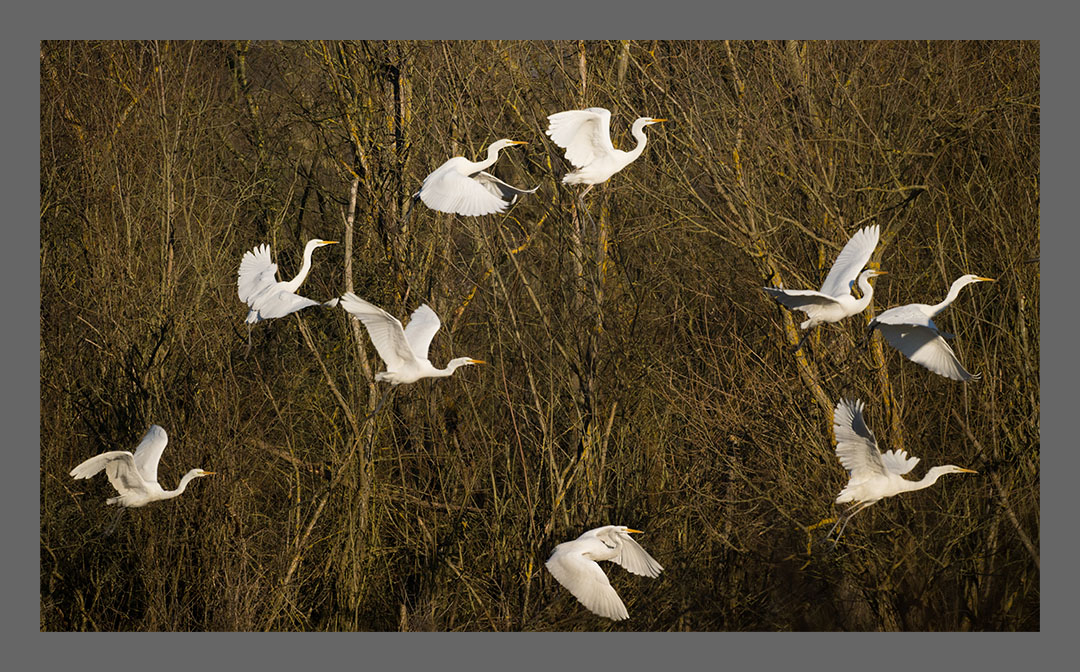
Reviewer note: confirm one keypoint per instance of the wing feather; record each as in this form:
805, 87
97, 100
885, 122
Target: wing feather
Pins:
148, 452
257, 272
926, 347
587, 582
385, 331
856, 446
850, 262
584, 134
635, 559
801, 299
423, 325
448, 190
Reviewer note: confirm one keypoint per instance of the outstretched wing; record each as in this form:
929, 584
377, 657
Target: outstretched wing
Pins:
912, 314
448, 190
635, 559
148, 452
898, 462
502, 190
856, 446
384, 329
586, 581
584, 134
257, 272
851, 260
422, 327
119, 466
280, 303
926, 347
806, 300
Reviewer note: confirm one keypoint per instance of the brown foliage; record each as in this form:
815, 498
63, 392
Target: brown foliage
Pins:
637, 374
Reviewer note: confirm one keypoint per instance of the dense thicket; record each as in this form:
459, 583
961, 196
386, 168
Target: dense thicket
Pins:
636, 373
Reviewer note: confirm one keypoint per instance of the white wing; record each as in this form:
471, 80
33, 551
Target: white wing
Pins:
898, 462
584, 134
384, 329
257, 272
447, 190
280, 303
926, 347
912, 314
586, 581
856, 446
119, 466
422, 327
851, 260
506, 192
806, 300
635, 560
148, 452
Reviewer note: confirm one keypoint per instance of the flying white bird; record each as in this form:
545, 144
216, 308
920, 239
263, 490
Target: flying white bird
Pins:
404, 350
833, 302
574, 565
461, 187
267, 297
135, 475
873, 475
586, 137
910, 330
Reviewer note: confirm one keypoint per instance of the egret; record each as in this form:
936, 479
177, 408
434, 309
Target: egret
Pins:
404, 350
833, 302
586, 137
910, 330
574, 565
267, 296
874, 475
461, 186
135, 475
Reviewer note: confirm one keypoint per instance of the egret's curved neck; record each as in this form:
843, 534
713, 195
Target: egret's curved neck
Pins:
867, 293
931, 477
451, 366
188, 478
638, 130
294, 284
492, 155
954, 291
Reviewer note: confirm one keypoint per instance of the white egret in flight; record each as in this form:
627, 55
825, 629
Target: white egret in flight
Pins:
461, 187
874, 475
268, 297
404, 350
833, 302
910, 330
586, 137
574, 565
135, 475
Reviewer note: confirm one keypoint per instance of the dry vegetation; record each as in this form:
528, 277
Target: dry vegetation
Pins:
637, 375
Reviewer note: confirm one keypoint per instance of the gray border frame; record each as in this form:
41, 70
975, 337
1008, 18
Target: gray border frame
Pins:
467, 20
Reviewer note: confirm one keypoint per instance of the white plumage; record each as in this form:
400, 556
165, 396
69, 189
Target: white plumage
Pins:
258, 287
911, 330
873, 475
586, 137
461, 187
134, 476
833, 302
574, 565
404, 350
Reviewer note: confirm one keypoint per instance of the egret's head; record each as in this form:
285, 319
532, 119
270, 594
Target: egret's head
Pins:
200, 472
970, 278
953, 469
319, 242
464, 361
506, 143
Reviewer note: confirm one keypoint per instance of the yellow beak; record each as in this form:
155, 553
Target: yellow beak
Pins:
659, 121
634, 531
968, 471
329, 242
477, 361
988, 279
